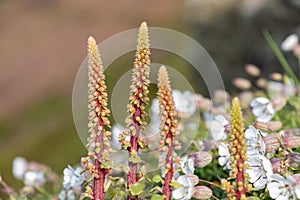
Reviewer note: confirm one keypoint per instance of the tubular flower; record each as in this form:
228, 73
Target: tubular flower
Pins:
137, 102
97, 163
238, 149
168, 127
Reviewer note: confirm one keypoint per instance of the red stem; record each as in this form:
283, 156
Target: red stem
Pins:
99, 181
134, 146
240, 178
167, 190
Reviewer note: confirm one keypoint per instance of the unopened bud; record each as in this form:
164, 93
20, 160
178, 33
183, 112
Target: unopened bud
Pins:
261, 126
241, 83
268, 126
194, 178
296, 51
274, 125
202, 102
272, 142
297, 178
276, 76
262, 83
278, 103
245, 98
220, 96
292, 132
294, 158
252, 70
201, 158
202, 192
292, 141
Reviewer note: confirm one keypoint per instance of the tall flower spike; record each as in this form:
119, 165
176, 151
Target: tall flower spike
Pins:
137, 102
238, 149
97, 163
168, 128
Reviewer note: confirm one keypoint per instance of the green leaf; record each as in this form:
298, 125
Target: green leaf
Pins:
158, 197
11, 197
141, 144
157, 179
135, 159
175, 184
280, 56
107, 165
253, 198
137, 188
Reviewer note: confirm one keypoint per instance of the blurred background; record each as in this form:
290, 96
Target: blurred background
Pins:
43, 42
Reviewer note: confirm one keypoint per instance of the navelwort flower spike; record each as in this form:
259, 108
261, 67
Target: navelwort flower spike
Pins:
137, 102
168, 128
97, 163
238, 157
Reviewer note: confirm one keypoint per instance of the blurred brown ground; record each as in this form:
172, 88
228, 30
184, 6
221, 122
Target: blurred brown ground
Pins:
43, 42
42, 45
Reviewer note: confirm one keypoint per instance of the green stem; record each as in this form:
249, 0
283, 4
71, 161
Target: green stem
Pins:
280, 56
211, 183
43, 191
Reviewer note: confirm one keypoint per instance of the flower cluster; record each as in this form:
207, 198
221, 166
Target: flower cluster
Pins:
223, 159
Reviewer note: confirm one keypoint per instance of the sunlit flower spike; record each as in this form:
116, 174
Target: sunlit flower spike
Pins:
97, 163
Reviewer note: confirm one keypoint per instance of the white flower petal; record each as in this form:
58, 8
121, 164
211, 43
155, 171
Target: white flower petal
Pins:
254, 174
267, 165
261, 182
289, 42
278, 178
222, 161
19, 167
258, 110
251, 133
297, 191
33, 178
270, 109
223, 150
178, 193
222, 119
216, 126
273, 189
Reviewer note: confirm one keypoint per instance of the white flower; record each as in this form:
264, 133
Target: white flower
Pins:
155, 107
224, 156
72, 177
280, 188
255, 141
66, 195
278, 89
185, 191
297, 191
185, 103
217, 128
260, 169
263, 109
19, 167
187, 165
33, 178
289, 42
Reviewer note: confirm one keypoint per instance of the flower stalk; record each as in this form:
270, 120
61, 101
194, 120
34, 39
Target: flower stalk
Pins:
137, 102
97, 163
168, 128
238, 148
